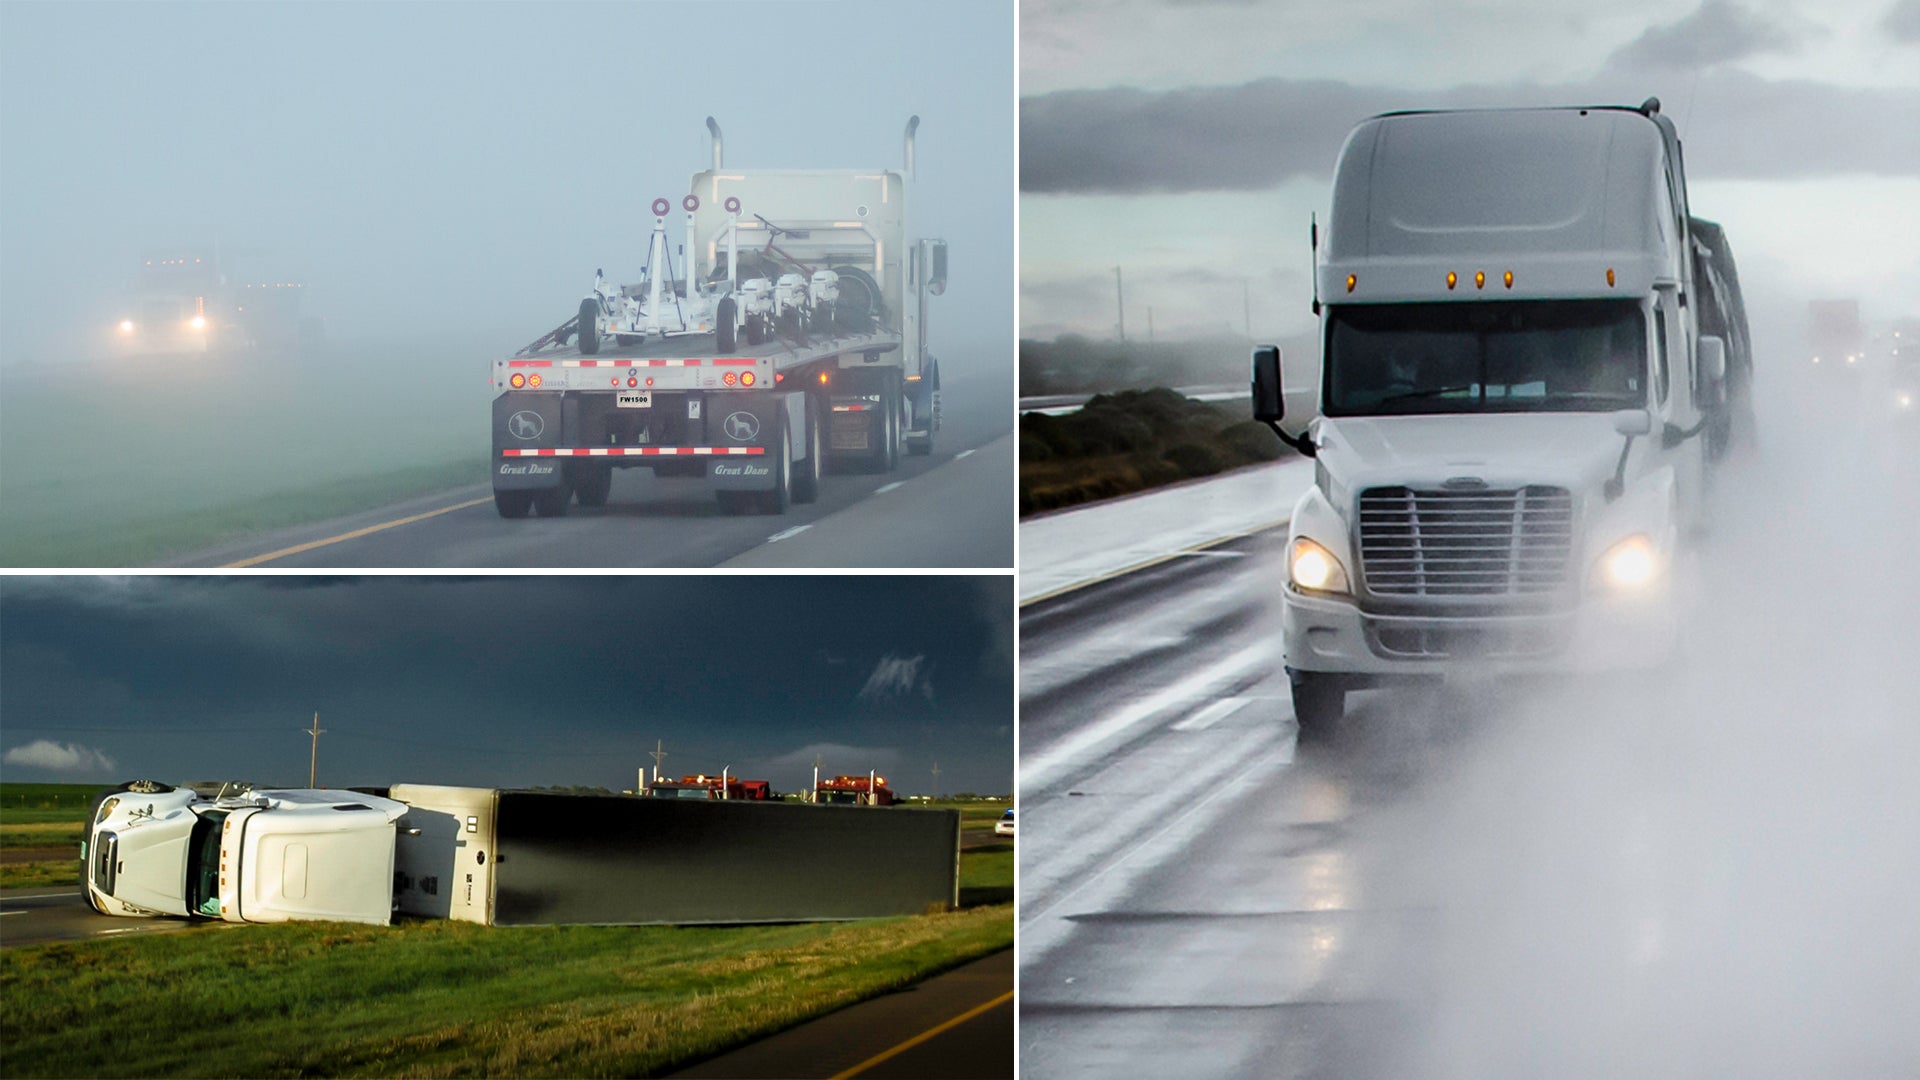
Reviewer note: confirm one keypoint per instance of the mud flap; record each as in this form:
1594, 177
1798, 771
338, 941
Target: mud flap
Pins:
525, 421
753, 420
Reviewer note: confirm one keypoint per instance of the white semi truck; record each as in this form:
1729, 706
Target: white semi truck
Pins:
503, 857
268, 856
1531, 355
781, 320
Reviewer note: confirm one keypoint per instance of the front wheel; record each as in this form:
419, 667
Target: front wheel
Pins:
589, 327
1319, 701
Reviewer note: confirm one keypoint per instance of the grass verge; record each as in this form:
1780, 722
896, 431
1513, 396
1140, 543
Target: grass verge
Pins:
445, 999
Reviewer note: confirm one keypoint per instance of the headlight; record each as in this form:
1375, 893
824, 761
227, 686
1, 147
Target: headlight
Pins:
198, 322
105, 809
1628, 565
126, 326
1904, 400
1313, 568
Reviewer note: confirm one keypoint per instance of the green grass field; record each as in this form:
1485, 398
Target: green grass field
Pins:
452, 999
123, 463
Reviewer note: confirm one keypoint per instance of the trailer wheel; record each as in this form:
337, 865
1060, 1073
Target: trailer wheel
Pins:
806, 482
1319, 701
592, 483
725, 333
734, 502
553, 501
589, 327
512, 504
889, 456
781, 497
756, 329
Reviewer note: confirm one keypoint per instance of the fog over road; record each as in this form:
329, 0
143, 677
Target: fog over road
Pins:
1707, 871
677, 522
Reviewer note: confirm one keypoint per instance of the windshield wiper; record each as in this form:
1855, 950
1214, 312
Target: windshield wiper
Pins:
1430, 392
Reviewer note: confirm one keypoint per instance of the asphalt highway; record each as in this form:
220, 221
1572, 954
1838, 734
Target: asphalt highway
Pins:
944, 509
38, 916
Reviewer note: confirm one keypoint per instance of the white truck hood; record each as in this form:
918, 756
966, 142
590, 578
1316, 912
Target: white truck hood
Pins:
1578, 451
305, 854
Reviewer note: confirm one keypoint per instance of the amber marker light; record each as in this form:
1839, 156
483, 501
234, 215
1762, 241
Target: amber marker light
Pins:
746, 378
823, 378
533, 381
1509, 279
1609, 275
1479, 279
1452, 279
1351, 281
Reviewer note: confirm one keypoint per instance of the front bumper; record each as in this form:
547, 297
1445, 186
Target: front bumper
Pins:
1324, 634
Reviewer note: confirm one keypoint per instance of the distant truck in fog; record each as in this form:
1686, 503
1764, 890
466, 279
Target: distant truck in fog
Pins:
1836, 339
1533, 354
186, 301
507, 857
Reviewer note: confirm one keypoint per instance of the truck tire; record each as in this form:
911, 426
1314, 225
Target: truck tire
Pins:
806, 479
552, 502
589, 327
734, 502
891, 403
725, 333
858, 305
781, 497
756, 330
592, 483
513, 504
1319, 701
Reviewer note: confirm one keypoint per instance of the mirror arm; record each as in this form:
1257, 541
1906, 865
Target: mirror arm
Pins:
1302, 444
1618, 483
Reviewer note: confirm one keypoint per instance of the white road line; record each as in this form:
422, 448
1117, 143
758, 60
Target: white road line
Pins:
788, 534
1209, 553
1212, 714
884, 488
75, 893
12, 913
1039, 771
961, 454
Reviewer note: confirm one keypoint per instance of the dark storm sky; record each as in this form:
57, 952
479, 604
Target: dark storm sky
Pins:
507, 681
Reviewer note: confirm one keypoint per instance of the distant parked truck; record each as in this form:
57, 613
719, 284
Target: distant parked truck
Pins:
788, 328
191, 301
869, 790
1836, 340
702, 786
1532, 355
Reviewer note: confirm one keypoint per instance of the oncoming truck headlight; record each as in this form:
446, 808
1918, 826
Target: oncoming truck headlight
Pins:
1313, 568
1628, 566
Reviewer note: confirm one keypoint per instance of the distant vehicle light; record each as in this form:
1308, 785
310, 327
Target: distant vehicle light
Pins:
126, 326
1906, 401
198, 322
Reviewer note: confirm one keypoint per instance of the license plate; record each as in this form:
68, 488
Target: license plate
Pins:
635, 399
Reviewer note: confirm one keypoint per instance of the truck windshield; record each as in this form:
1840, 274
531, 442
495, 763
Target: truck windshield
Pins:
1508, 356
203, 864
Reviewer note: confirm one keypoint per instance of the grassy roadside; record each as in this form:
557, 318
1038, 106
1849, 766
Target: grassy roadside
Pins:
443, 999
1132, 441
46, 820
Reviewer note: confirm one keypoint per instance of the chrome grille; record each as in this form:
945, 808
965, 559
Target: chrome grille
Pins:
1465, 543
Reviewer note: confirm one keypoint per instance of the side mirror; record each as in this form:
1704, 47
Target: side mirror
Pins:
936, 264
1267, 406
1713, 359
1632, 422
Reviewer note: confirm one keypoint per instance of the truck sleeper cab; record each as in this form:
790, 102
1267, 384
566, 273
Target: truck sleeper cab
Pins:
1512, 395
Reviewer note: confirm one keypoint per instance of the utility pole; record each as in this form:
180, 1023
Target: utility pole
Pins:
1120, 302
1149, 324
313, 760
813, 794
1246, 303
659, 755
936, 780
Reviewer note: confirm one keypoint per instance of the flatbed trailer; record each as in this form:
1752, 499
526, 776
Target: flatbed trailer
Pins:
758, 416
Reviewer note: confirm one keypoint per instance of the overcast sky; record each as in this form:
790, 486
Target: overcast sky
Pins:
1189, 141
461, 170
507, 681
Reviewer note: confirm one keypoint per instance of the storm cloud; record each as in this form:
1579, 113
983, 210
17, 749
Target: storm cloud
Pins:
1717, 33
59, 757
1257, 135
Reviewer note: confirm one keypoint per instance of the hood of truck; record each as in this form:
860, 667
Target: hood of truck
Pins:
1577, 451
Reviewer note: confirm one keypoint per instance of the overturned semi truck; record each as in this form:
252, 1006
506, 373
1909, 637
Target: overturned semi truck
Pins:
508, 858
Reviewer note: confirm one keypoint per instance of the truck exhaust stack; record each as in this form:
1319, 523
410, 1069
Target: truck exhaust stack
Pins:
719, 146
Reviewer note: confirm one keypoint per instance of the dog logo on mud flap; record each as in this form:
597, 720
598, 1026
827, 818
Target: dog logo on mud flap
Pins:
742, 426
526, 424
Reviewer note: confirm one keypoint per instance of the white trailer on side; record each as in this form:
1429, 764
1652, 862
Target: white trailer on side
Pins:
1527, 344
780, 325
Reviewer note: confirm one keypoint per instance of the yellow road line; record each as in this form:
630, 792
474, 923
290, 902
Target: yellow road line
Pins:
922, 1037
1139, 566
354, 535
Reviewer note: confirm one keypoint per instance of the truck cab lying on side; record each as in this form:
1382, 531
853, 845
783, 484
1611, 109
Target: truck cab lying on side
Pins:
1518, 406
151, 849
